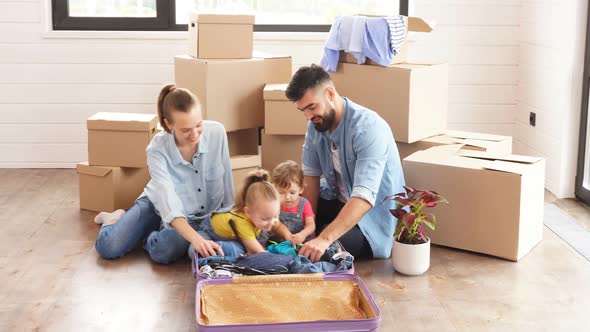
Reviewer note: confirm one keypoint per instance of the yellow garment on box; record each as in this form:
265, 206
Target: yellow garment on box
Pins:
269, 300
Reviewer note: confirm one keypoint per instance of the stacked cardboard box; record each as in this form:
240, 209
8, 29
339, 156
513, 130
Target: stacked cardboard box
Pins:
242, 165
412, 98
496, 144
116, 171
222, 71
284, 128
495, 198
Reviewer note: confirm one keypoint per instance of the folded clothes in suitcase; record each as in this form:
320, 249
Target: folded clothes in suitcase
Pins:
336, 254
303, 302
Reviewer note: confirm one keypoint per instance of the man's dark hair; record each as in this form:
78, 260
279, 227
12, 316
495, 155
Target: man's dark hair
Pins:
308, 77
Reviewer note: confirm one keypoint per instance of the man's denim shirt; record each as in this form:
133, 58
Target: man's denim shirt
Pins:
371, 169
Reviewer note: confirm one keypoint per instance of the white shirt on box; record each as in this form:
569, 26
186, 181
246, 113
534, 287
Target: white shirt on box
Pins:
338, 171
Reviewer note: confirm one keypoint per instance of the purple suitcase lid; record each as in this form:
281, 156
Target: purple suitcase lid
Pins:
351, 325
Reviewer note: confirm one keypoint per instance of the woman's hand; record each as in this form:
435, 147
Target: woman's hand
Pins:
206, 248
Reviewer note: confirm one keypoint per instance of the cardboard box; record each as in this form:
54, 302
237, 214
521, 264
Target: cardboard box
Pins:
495, 144
221, 36
241, 166
104, 188
243, 142
496, 202
412, 98
281, 116
231, 91
415, 24
120, 139
279, 148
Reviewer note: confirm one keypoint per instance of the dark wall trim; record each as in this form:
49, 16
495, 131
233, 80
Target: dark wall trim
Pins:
63, 21
582, 193
165, 20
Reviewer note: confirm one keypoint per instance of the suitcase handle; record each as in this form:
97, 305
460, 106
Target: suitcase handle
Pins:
277, 278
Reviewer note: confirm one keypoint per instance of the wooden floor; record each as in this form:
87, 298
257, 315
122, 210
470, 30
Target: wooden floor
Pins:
51, 278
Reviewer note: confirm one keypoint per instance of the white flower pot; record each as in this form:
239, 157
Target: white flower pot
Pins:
411, 259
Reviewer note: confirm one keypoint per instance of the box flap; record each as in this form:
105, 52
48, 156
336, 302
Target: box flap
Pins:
418, 25
84, 168
122, 121
222, 18
245, 161
437, 154
509, 158
275, 92
505, 166
476, 136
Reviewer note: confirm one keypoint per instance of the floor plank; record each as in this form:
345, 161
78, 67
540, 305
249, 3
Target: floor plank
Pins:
53, 280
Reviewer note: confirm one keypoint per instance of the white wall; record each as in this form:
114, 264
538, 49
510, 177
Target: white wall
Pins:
551, 64
479, 39
506, 57
50, 83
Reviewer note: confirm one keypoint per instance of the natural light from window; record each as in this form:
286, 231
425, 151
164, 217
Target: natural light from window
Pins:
112, 8
292, 12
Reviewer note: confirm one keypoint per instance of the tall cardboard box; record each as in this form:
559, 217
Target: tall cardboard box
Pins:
279, 148
241, 166
243, 142
231, 91
415, 24
495, 144
281, 116
104, 188
495, 202
120, 139
221, 36
412, 98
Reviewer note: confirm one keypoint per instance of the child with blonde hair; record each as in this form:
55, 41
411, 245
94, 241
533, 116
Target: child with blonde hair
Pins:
296, 212
256, 211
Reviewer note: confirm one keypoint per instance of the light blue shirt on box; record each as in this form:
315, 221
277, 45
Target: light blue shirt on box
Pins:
370, 165
192, 190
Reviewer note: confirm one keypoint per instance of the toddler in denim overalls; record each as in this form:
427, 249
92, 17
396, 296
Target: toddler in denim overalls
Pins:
296, 212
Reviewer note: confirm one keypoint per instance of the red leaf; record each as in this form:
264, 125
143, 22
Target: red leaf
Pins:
410, 190
403, 201
410, 219
398, 213
421, 230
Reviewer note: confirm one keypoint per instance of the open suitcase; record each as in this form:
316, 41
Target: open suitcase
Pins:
198, 275
286, 303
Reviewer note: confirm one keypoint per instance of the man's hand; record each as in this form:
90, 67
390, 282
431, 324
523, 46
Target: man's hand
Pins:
206, 248
314, 249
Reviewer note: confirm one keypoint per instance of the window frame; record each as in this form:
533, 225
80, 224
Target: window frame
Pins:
165, 21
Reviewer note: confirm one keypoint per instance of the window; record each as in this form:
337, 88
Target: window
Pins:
271, 15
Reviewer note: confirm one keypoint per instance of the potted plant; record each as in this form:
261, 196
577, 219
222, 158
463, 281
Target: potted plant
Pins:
411, 246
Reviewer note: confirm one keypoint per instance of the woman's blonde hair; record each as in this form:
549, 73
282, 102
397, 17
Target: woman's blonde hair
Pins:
285, 173
256, 186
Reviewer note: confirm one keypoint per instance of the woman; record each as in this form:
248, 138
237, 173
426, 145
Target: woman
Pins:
190, 178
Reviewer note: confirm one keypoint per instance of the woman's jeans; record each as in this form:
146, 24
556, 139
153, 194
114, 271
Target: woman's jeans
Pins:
141, 222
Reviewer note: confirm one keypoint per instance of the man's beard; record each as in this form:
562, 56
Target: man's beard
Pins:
327, 122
